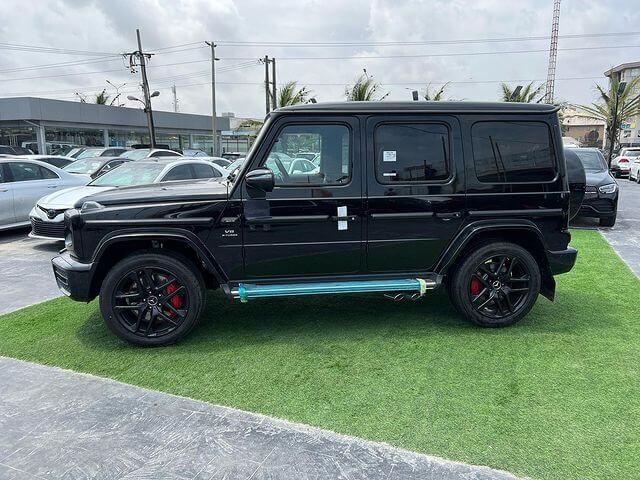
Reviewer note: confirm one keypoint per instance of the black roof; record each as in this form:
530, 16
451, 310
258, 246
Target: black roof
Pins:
430, 107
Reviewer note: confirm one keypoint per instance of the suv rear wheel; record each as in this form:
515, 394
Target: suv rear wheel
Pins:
496, 285
152, 299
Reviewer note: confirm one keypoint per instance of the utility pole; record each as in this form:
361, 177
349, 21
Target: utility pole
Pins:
266, 84
175, 98
270, 84
553, 54
274, 98
216, 150
145, 90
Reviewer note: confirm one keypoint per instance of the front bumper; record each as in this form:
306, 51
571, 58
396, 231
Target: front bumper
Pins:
562, 261
73, 277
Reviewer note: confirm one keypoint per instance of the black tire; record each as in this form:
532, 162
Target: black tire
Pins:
608, 221
164, 310
507, 289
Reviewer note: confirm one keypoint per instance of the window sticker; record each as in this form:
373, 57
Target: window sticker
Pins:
389, 156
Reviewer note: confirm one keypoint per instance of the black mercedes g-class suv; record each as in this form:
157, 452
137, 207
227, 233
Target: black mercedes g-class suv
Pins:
401, 198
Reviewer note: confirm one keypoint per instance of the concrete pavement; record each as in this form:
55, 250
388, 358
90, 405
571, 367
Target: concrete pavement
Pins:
58, 424
25, 264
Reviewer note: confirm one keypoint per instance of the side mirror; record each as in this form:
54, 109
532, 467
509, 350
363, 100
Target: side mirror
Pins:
260, 181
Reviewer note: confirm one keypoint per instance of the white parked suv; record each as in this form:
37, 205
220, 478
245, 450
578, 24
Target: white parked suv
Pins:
47, 217
634, 170
621, 164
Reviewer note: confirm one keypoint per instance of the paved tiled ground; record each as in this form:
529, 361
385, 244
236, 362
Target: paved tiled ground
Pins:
25, 264
57, 424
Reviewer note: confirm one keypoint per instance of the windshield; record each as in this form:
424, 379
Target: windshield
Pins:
630, 153
136, 154
131, 173
591, 160
84, 166
90, 153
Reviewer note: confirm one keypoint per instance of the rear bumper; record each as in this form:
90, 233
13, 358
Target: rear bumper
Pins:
73, 278
562, 261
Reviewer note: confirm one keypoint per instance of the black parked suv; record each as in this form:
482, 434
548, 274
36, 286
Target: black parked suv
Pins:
402, 198
601, 193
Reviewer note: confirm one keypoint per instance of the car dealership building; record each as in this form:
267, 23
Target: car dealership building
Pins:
40, 123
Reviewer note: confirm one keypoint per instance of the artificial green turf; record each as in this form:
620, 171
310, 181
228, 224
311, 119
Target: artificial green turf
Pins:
557, 396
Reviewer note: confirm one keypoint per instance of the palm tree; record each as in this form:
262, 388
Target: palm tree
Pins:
287, 95
615, 106
437, 96
527, 94
102, 98
364, 90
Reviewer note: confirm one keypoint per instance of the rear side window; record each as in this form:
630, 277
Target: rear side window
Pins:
205, 171
48, 174
513, 152
24, 172
411, 152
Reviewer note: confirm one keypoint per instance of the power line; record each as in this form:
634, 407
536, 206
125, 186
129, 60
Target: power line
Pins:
424, 42
55, 50
319, 84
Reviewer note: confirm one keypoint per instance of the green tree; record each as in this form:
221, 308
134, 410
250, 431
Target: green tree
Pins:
615, 106
435, 96
365, 89
288, 94
528, 94
102, 98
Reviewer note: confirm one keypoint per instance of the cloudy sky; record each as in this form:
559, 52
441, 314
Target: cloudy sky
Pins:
440, 41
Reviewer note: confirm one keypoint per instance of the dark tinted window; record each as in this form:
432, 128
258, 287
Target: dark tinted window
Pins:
512, 152
6, 150
591, 159
1, 173
23, 172
416, 152
181, 172
205, 171
48, 174
164, 154
56, 161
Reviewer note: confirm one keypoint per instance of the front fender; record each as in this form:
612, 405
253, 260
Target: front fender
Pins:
176, 234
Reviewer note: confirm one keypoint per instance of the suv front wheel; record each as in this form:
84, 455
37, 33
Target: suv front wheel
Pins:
152, 298
496, 284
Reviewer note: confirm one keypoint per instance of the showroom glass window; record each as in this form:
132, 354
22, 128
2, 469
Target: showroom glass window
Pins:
411, 152
513, 152
331, 167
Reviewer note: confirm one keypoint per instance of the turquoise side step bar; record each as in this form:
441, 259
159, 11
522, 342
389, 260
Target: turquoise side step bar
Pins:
247, 291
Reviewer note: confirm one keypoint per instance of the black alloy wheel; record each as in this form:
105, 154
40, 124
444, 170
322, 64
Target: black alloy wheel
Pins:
150, 302
500, 285
496, 284
152, 298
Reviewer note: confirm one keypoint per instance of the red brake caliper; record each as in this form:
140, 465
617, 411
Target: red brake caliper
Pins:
176, 301
476, 286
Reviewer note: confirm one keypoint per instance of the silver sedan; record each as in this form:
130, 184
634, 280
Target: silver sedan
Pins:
23, 182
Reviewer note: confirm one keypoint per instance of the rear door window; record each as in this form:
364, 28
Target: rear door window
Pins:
411, 152
513, 152
181, 172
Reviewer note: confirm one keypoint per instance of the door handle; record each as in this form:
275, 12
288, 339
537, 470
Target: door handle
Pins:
230, 220
448, 216
52, 186
3, 190
346, 218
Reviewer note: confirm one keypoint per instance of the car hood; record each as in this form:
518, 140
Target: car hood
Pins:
68, 197
597, 178
187, 191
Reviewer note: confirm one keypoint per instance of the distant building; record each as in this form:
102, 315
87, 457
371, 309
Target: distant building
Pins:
588, 131
630, 130
50, 125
